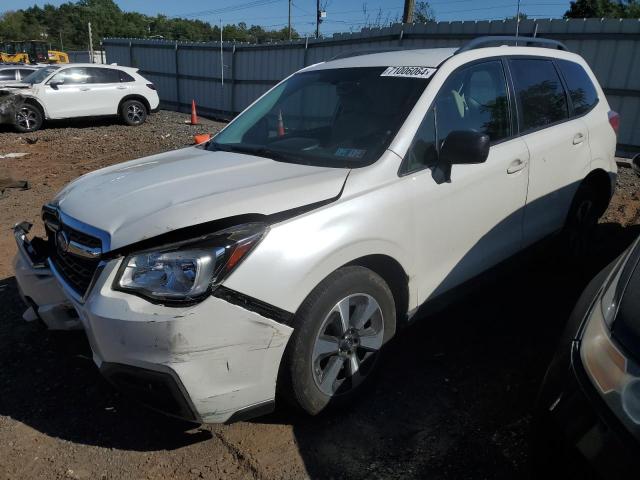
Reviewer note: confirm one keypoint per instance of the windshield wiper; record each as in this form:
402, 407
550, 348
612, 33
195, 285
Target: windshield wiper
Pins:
258, 151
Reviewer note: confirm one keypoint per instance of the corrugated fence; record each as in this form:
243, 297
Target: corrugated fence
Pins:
184, 71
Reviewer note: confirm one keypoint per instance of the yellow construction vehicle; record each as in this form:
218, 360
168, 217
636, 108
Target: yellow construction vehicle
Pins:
31, 52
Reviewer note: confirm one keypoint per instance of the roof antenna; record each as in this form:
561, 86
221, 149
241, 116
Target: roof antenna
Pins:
517, 23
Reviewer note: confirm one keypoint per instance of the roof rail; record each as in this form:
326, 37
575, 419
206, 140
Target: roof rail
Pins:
481, 42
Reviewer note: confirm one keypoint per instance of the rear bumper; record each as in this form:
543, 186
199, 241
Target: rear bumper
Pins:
209, 362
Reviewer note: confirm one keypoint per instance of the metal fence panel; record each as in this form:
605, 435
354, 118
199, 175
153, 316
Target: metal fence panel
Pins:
189, 70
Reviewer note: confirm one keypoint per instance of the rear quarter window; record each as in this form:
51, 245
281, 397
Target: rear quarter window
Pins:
581, 90
125, 77
540, 93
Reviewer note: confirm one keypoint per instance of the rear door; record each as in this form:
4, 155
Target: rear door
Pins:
558, 145
105, 90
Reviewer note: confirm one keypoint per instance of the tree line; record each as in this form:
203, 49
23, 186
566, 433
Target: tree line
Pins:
65, 27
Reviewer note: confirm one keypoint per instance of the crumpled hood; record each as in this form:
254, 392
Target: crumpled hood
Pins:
150, 196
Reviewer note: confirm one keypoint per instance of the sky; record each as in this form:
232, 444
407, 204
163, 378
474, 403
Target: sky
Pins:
342, 15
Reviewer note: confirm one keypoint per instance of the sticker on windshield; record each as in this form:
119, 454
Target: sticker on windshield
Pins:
411, 72
350, 152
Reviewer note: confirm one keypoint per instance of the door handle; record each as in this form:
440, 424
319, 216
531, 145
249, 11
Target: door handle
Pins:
84, 89
121, 87
516, 166
578, 138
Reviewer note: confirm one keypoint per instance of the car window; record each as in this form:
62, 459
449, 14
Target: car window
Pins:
582, 92
104, 75
25, 72
541, 95
125, 77
7, 74
474, 98
72, 76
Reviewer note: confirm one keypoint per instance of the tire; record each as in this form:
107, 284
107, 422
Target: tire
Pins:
582, 220
133, 112
28, 118
324, 365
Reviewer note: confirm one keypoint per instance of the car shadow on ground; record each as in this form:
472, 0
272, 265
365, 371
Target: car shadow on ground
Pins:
85, 122
453, 398
455, 395
48, 381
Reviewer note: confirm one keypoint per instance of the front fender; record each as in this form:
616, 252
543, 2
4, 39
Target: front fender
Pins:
298, 254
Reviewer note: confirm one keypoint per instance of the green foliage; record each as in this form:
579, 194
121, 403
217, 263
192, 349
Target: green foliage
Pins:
423, 13
69, 22
604, 9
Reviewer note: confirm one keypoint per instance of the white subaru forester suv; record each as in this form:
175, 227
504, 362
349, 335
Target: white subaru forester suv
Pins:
78, 90
278, 260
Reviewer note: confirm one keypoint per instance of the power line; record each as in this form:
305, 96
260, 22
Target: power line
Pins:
230, 8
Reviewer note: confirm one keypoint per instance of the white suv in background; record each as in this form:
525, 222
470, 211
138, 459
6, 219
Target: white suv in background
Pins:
282, 256
81, 90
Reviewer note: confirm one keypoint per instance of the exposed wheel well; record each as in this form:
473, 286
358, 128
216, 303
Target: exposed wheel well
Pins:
35, 103
140, 98
600, 181
391, 272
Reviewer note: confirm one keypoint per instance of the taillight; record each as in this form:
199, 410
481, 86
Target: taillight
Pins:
151, 86
614, 120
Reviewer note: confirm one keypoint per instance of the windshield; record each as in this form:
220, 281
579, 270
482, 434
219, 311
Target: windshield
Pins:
338, 118
39, 75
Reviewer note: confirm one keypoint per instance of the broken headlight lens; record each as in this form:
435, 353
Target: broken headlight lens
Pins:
188, 271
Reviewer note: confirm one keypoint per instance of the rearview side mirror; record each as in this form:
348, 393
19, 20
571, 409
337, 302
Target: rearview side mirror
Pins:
461, 147
635, 163
55, 85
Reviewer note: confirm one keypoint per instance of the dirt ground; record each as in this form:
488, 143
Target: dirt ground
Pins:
453, 399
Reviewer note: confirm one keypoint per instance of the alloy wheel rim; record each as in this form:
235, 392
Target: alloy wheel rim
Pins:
347, 344
134, 113
26, 118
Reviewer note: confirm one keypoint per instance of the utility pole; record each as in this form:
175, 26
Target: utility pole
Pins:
61, 45
407, 15
221, 58
317, 18
518, 22
90, 45
289, 19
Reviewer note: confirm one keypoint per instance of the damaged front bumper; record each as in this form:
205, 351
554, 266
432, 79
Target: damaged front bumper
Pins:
210, 362
10, 103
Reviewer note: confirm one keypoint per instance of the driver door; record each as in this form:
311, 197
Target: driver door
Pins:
68, 94
473, 221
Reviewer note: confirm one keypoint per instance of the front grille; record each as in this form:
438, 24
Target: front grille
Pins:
76, 271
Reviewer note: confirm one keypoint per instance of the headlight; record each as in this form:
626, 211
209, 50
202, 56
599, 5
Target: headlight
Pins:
615, 374
187, 271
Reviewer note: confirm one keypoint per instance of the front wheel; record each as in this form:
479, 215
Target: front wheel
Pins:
28, 118
336, 346
133, 112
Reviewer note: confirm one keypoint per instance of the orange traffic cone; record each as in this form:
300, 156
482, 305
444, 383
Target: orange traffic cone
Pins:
194, 116
280, 125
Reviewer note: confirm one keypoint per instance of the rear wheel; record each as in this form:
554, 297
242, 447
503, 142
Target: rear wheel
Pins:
28, 118
133, 112
340, 333
580, 227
